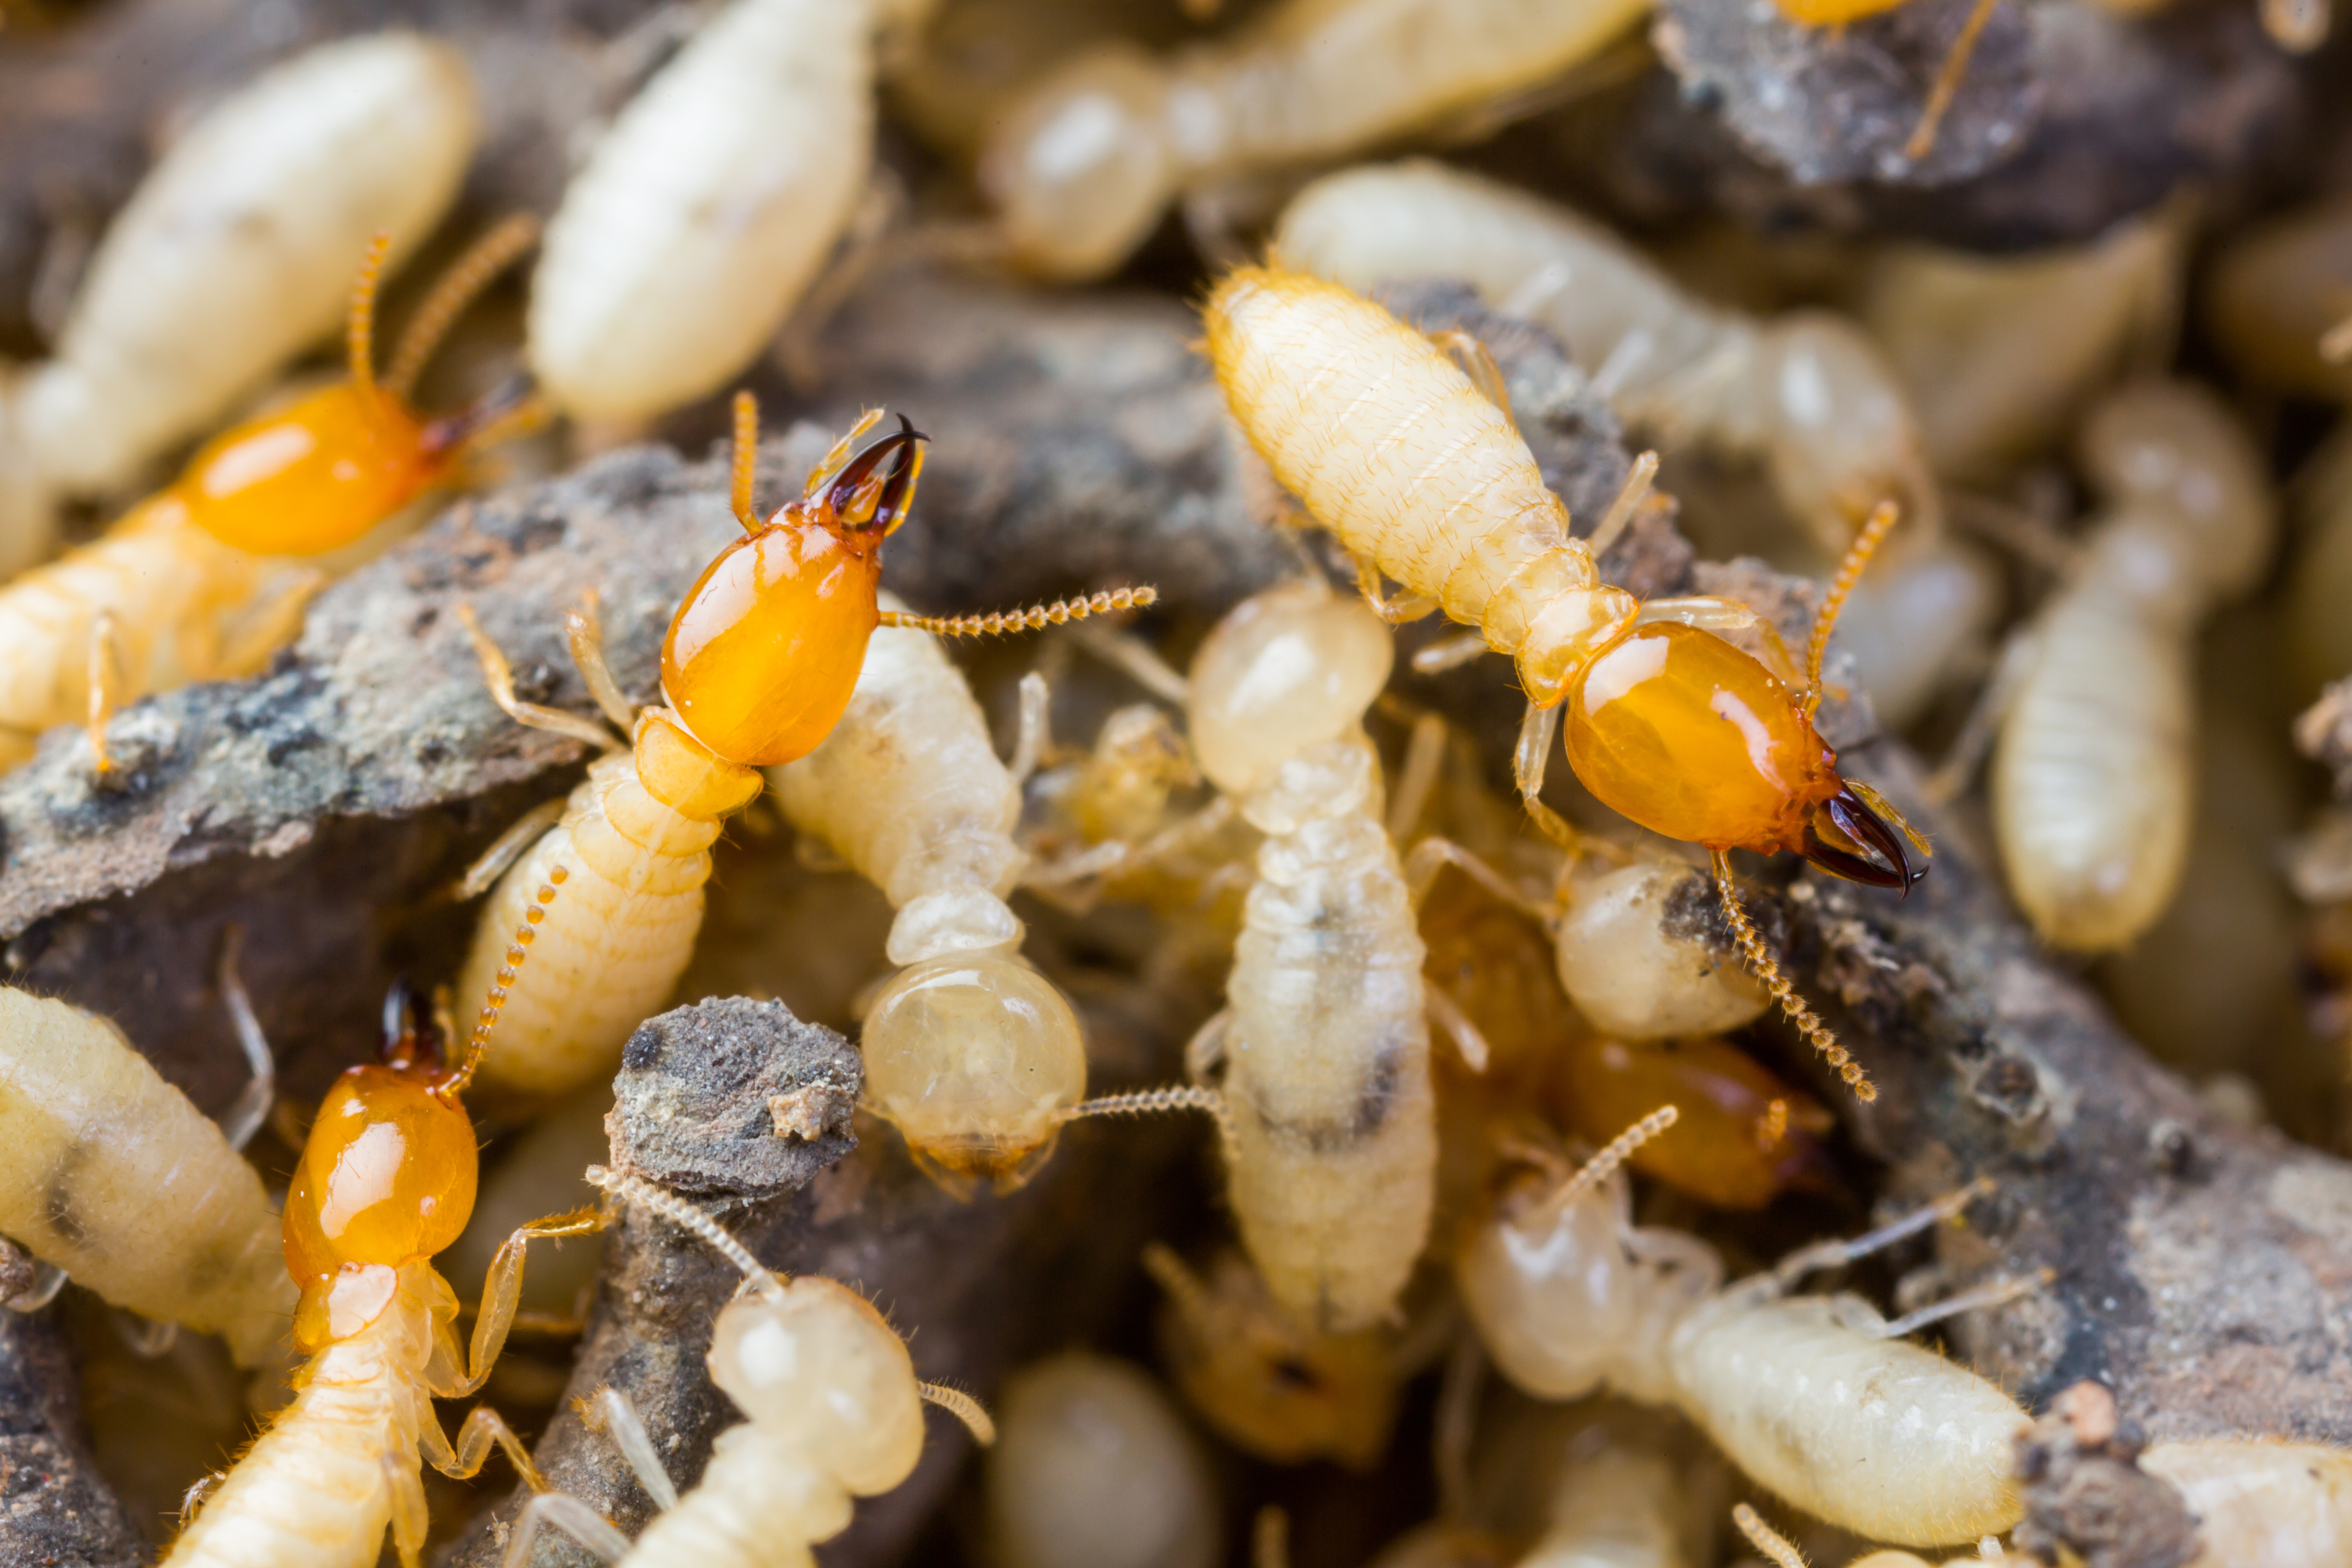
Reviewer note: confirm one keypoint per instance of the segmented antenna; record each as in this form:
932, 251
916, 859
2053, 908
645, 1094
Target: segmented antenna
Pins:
964, 1407
359, 332
460, 285
1059, 613
1153, 1101
678, 1212
747, 460
1761, 962
1766, 1539
478, 1046
1618, 1149
1857, 558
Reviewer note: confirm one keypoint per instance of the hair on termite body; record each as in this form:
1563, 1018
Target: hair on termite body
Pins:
761, 661
1423, 479
209, 577
386, 1179
834, 1412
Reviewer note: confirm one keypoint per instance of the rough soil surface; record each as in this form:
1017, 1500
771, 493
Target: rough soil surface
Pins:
56, 1510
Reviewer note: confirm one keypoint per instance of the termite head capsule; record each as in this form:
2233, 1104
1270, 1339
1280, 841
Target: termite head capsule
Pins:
386, 1178
1286, 670
317, 475
976, 1058
813, 1365
1692, 738
761, 658
1082, 173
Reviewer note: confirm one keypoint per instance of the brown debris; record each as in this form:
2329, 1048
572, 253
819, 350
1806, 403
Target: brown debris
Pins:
56, 1510
2086, 1494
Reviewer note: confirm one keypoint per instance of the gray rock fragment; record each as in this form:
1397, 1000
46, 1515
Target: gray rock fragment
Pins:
695, 1104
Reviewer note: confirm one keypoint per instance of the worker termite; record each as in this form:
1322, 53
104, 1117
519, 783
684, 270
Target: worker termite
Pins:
385, 1180
834, 1412
1093, 1467
1816, 1397
2092, 778
705, 211
203, 580
1089, 158
2263, 1504
1807, 391
115, 1179
235, 252
759, 664
1393, 448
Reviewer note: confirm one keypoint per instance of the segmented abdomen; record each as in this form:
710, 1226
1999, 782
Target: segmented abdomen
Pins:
609, 946
760, 1505
1335, 1143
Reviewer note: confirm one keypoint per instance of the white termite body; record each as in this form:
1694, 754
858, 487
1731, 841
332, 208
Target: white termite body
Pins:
2262, 1505
1619, 1506
236, 252
1805, 1394
2092, 781
1093, 1467
1332, 1125
1807, 391
975, 1057
1633, 953
706, 210
1092, 155
112, 1176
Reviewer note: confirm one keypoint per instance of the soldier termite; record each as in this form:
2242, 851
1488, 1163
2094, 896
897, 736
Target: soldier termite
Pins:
705, 211
235, 253
206, 580
1816, 1397
1093, 1467
386, 1180
2092, 777
760, 662
1423, 479
1088, 158
834, 1412
116, 1179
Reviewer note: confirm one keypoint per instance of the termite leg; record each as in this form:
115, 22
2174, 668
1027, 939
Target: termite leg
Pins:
1766, 968
1403, 610
1991, 1293
1270, 1539
1456, 1425
147, 1338
1432, 854
1538, 730
569, 1515
1837, 1252
1447, 1015
482, 1430
507, 848
1130, 654
193, 1500
1425, 755
105, 685
1205, 1053
1452, 653
1035, 734
745, 463
501, 1287
1947, 81
251, 1109
268, 628
585, 632
1865, 544
410, 1516
1477, 362
1630, 496
1966, 754
499, 676
618, 1418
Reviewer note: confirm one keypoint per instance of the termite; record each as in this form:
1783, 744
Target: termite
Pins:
1093, 1467
234, 252
204, 579
385, 1180
705, 212
1263, 1380
1816, 1397
2091, 780
760, 662
973, 1055
1089, 158
114, 1178
834, 1412
2264, 1504
1780, 1553
1393, 448
1807, 391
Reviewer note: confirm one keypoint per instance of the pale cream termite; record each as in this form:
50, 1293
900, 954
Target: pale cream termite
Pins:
115, 1178
1087, 161
237, 251
706, 210
1093, 1467
834, 1412
1619, 1498
2091, 780
1807, 391
1816, 1397
1779, 1551
2263, 1504
972, 1054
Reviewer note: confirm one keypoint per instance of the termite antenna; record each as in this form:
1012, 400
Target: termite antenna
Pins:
1865, 544
964, 1407
359, 332
678, 1212
1772, 1126
1618, 1149
1172, 1275
1630, 497
1765, 1538
478, 1046
747, 460
1270, 1539
1061, 612
1154, 1102
460, 285
1947, 81
1766, 969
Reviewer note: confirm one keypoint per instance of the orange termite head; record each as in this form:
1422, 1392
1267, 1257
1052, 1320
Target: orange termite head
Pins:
763, 657
386, 1178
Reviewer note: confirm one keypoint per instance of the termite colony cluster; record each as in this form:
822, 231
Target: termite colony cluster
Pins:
1683, 1086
